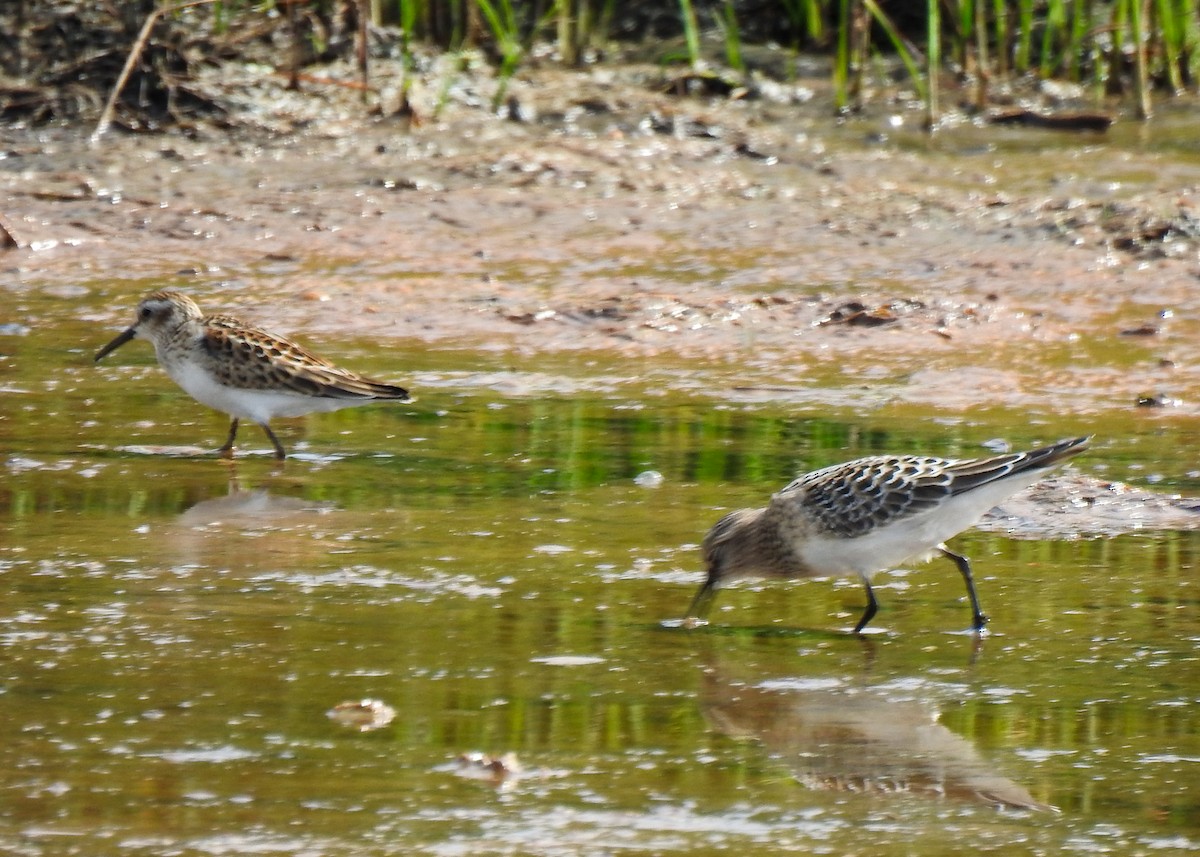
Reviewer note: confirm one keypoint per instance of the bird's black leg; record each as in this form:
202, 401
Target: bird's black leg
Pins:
872, 608
280, 455
227, 449
702, 600
964, 566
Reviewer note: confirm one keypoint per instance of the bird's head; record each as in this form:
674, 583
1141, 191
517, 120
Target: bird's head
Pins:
157, 316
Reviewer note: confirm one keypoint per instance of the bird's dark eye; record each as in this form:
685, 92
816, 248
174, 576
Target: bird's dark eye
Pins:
145, 313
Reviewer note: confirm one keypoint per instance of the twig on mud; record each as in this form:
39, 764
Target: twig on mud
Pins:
293, 83
8, 238
139, 44
361, 47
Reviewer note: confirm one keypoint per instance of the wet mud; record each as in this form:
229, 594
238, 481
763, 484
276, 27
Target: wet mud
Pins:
758, 241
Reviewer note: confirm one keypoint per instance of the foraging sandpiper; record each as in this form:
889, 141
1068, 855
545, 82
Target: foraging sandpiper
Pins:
868, 515
243, 370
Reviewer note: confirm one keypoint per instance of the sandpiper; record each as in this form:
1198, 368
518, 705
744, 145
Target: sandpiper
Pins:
868, 515
243, 370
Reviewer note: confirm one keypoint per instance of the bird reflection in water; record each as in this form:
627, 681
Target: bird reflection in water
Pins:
835, 736
247, 527
245, 506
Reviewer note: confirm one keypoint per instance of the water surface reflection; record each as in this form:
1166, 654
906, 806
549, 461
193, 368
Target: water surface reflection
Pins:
859, 736
494, 572
250, 506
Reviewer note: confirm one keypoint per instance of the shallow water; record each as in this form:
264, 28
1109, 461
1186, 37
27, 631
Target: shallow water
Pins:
494, 563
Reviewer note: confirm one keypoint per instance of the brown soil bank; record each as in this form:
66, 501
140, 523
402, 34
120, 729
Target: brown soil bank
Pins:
757, 239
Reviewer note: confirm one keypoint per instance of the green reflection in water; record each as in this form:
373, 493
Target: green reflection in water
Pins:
175, 629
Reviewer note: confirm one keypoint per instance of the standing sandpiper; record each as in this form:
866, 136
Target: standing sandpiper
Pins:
868, 515
242, 370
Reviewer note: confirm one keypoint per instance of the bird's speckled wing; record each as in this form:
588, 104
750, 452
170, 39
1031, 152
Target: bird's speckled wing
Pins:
854, 498
267, 362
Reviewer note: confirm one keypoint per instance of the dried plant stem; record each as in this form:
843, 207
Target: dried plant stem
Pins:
361, 49
138, 45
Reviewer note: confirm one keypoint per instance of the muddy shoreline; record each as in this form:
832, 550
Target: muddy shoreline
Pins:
760, 235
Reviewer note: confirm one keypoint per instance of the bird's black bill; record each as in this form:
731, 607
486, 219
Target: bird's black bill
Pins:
115, 344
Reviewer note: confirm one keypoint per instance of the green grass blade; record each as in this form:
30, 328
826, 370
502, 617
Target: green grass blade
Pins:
933, 64
733, 39
841, 63
901, 47
691, 31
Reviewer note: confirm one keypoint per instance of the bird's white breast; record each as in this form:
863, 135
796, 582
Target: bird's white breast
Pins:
261, 406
